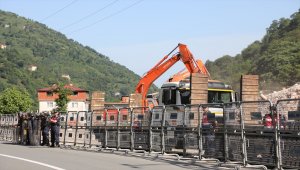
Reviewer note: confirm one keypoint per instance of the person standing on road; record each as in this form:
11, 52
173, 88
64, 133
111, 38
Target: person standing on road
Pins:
25, 133
45, 127
55, 126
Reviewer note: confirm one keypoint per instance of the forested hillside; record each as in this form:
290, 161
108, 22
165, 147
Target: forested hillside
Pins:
276, 58
26, 43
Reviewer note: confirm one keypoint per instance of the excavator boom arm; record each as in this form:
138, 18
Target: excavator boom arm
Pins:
146, 81
162, 66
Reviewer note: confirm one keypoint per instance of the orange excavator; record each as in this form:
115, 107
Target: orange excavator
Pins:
163, 65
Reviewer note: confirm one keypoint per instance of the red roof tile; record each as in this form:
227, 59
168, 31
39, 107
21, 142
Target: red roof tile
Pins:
68, 86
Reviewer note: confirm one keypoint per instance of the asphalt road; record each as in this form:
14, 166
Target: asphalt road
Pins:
15, 157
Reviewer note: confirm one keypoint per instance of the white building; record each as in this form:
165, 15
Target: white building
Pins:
79, 99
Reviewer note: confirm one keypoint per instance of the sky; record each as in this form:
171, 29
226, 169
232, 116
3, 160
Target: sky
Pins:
139, 33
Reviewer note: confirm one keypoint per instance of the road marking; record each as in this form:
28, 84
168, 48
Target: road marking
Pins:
31, 161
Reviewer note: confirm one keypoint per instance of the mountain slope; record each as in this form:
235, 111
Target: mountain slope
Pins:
31, 43
276, 58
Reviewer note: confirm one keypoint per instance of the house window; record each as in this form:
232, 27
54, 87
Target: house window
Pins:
70, 135
124, 117
60, 134
50, 104
81, 118
49, 93
75, 93
156, 116
74, 105
80, 136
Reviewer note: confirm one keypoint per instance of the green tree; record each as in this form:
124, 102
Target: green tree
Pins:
14, 100
62, 100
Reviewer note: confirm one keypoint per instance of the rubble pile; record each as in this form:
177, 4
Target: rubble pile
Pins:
292, 92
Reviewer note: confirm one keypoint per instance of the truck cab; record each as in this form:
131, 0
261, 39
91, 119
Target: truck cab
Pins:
179, 93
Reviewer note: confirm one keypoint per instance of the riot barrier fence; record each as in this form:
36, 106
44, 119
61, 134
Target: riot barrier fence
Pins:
258, 132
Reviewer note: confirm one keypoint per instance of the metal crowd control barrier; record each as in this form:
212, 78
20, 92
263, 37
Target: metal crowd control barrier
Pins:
191, 131
96, 124
258, 139
174, 128
81, 127
288, 133
140, 128
157, 143
231, 132
68, 128
212, 132
111, 128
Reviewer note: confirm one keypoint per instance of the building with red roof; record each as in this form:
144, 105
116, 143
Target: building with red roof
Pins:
79, 99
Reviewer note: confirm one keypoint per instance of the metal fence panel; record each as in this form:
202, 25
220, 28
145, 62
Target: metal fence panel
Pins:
112, 138
260, 141
141, 139
111, 117
261, 149
69, 135
157, 113
98, 136
157, 129
213, 145
125, 139
80, 137
97, 118
141, 128
72, 119
289, 127
242, 133
174, 128
82, 119
156, 140
191, 131
234, 131
124, 118
212, 131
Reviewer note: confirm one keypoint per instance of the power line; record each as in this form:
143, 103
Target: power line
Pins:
51, 15
89, 15
107, 17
